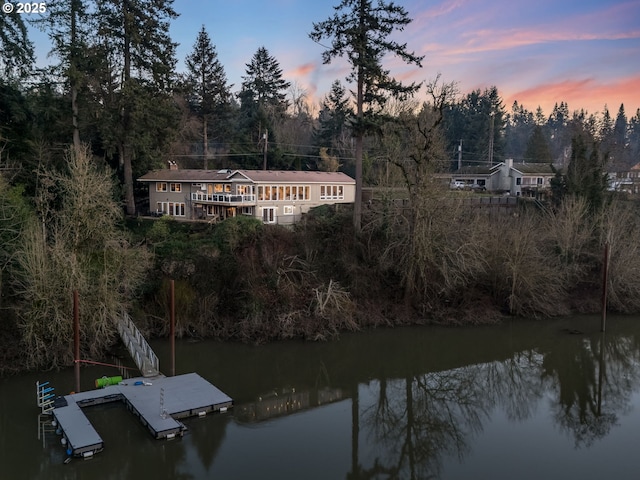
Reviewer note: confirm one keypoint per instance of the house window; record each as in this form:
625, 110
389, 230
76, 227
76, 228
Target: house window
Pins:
331, 192
540, 180
269, 214
175, 187
161, 186
287, 209
518, 181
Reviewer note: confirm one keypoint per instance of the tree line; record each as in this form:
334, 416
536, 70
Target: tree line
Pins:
113, 84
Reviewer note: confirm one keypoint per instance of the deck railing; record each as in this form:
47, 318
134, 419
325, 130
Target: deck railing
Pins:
142, 354
222, 198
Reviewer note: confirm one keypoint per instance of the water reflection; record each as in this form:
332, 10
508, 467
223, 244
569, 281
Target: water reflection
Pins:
414, 404
286, 401
418, 420
593, 381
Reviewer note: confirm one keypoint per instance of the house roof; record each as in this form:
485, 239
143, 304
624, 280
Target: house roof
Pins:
534, 168
293, 176
167, 175
474, 170
257, 176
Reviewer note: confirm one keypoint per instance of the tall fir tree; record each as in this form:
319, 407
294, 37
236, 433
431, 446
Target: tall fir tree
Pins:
520, 124
537, 147
263, 101
634, 138
67, 23
135, 35
586, 176
619, 139
363, 32
263, 81
17, 56
208, 92
479, 120
333, 127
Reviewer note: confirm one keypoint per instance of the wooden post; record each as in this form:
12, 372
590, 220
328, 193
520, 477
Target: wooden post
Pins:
76, 339
172, 328
605, 280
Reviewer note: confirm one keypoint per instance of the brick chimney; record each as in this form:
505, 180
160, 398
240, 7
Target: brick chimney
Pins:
173, 165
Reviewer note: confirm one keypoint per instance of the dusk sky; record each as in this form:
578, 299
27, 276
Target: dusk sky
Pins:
538, 52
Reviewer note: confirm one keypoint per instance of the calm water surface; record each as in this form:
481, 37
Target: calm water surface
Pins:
524, 400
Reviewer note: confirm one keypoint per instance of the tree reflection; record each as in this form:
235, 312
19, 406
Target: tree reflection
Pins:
419, 419
593, 380
413, 423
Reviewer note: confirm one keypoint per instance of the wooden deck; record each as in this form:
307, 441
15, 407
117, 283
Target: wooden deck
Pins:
158, 402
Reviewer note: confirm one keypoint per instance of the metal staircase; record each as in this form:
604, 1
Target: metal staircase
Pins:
140, 351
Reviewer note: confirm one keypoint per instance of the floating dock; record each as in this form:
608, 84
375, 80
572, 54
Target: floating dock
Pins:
159, 403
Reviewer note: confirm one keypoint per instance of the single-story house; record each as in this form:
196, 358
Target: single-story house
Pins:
525, 179
274, 196
517, 179
475, 177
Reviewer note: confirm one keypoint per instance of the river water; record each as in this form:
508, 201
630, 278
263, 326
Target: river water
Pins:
523, 400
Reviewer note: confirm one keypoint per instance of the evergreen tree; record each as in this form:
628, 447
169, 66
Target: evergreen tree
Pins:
537, 147
479, 121
634, 138
333, 119
360, 31
16, 139
263, 102
17, 50
585, 174
619, 153
208, 92
135, 38
558, 133
519, 128
67, 24
263, 82
605, 132
606, 125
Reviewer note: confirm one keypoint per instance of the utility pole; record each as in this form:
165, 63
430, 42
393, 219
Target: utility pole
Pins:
265, 137
460, 155
491, 116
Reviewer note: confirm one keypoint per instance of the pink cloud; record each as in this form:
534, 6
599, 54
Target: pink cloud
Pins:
302, 70
588, 93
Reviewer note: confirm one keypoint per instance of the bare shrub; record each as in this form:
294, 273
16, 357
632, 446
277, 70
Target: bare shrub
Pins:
334, 304
570, 235
520, 272
620, 227
78, 246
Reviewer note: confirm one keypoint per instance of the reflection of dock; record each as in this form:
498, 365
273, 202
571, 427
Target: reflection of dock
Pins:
158, 402
287, 401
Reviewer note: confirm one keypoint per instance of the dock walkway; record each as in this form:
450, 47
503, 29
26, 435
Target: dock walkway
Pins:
158, 402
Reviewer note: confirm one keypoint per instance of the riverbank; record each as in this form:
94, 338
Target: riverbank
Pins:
242, 281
